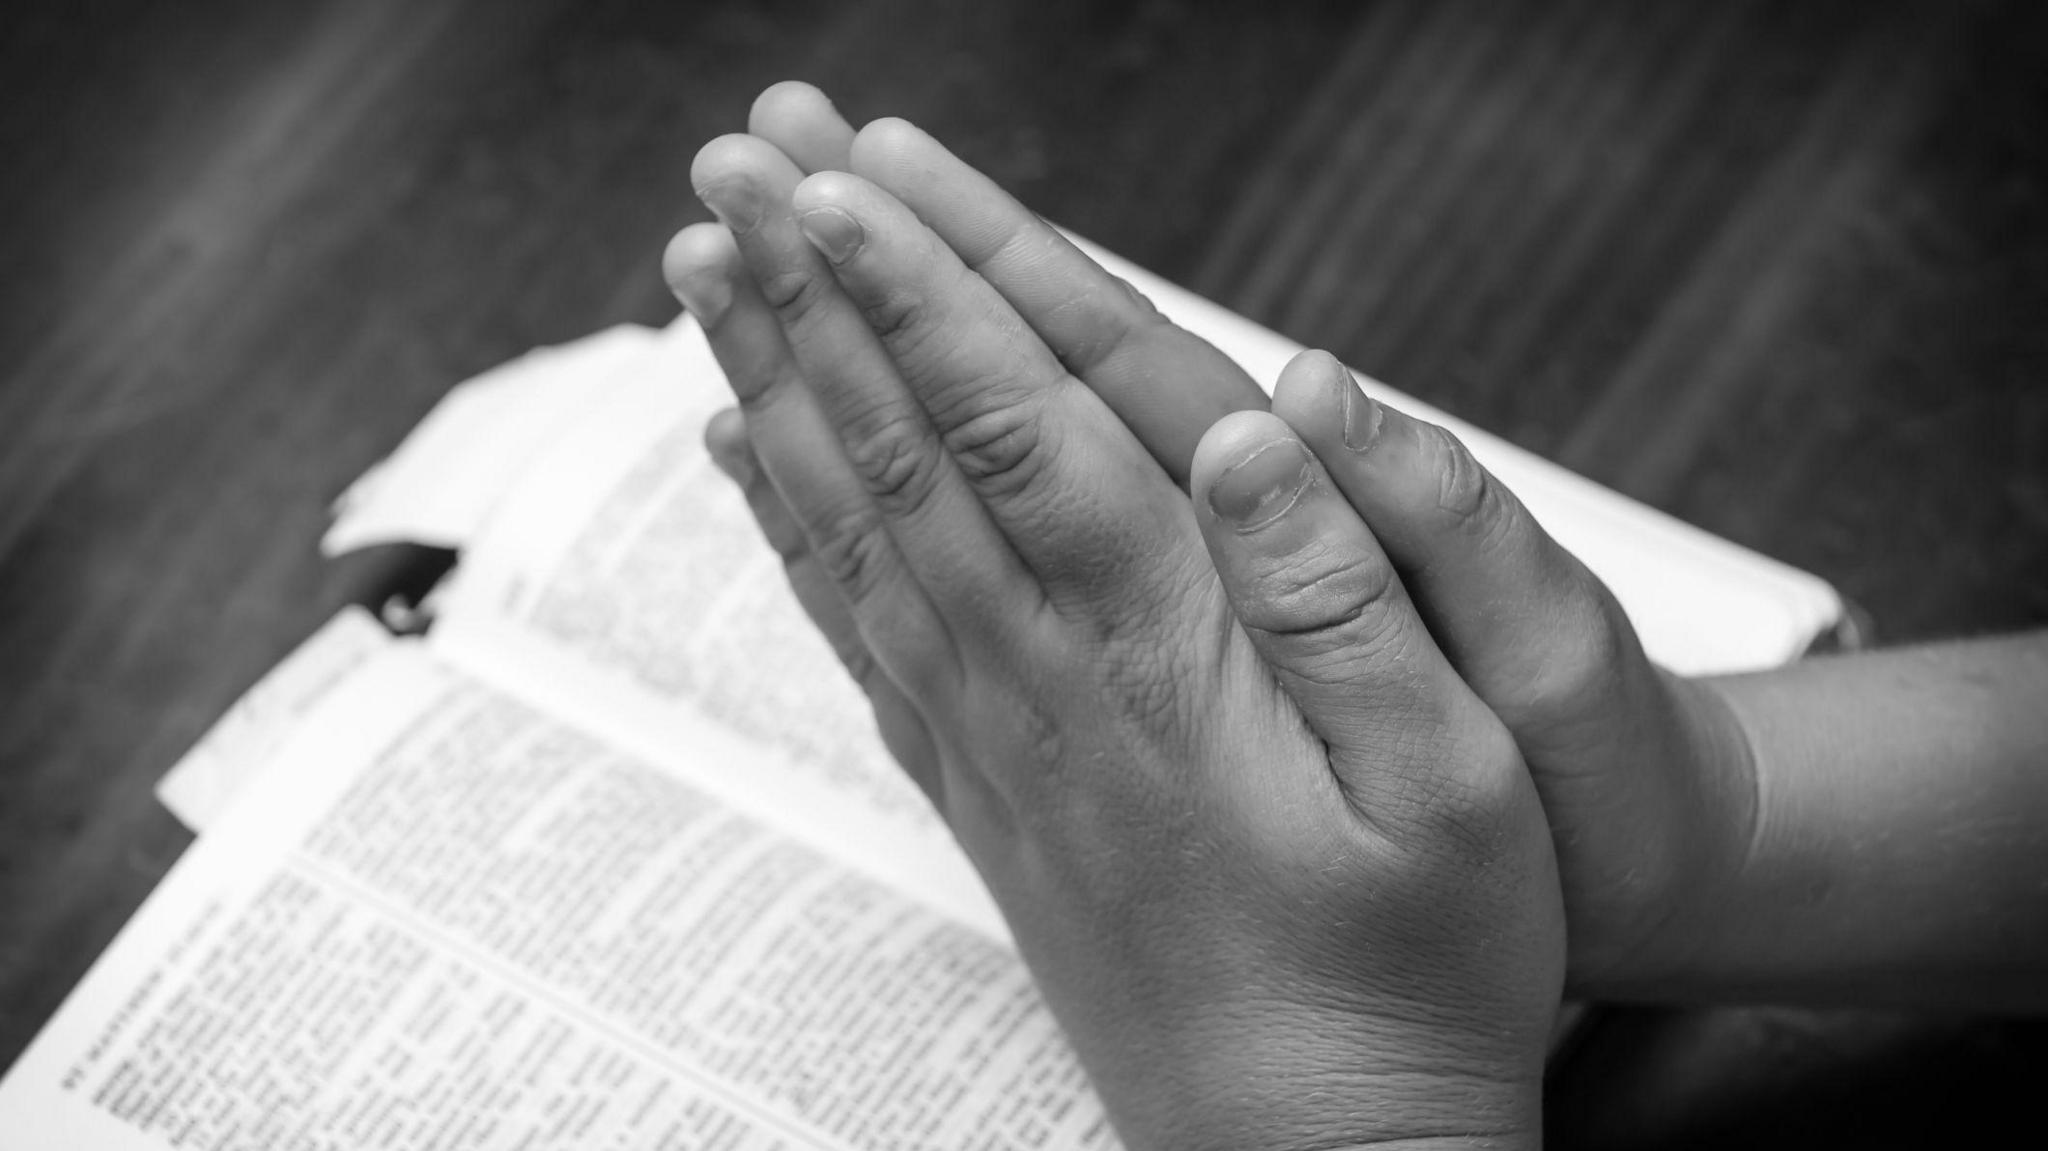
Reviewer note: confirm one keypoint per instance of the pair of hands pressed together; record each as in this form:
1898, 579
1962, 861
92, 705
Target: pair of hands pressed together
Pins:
1252, 768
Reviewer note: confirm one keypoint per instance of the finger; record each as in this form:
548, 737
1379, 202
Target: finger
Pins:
1533, 631
842, 533
1323, 606
800, 120
725, 435
1166, 384
902, 729
851, 387
1070, 489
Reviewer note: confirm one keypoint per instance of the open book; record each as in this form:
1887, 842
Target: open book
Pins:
612, 856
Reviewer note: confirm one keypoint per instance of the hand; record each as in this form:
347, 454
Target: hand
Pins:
1645, 776
1280, 873
1166, 383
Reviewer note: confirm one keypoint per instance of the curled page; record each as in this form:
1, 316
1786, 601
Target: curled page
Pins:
240, 743
454, 467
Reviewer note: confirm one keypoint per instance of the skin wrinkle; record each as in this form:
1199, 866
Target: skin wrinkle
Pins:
799, 296
1743, 758
1463, 487
1496, 526
1310, 597
852, 546
888, 444
1359, 634
946, 385
1115, 334
1400, 1083
1027, 251
979, 390
848, 554
900, 323
1025, 246
785, 388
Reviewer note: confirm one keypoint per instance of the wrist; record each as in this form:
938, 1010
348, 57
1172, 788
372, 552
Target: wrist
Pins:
1888, 852
1706, 827
1277, 1109
1521, 1137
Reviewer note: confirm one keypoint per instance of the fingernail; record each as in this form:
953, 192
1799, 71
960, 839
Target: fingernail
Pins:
736, 203
1263, 486
706, 294
832, 232
1361, 416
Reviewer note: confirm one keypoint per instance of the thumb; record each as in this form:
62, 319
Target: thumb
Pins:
1321, 603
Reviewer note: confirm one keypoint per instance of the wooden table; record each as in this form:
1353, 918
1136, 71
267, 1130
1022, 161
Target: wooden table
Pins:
1783, 273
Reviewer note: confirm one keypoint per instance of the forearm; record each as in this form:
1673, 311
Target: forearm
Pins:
1895, 848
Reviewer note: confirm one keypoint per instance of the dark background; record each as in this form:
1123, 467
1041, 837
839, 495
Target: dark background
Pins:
1781, 269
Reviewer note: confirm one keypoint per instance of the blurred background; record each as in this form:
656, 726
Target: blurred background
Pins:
1780, 269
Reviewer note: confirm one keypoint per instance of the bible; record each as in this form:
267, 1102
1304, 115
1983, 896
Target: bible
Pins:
610, 854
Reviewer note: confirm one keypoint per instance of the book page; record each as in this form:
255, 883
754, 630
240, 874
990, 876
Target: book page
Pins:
438, 919
1701, 604
623, 585
452, 469
241, 742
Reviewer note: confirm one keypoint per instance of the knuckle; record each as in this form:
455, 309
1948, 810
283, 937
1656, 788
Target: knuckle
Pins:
759, 393
923, 662
794, 293
898, 320
1001, 448
1022, 245
892, 451
853, 655
1466, 795
850, 551
780, 529
1143, 311
1323, 596
1586, 659
1465, 491
1112, 331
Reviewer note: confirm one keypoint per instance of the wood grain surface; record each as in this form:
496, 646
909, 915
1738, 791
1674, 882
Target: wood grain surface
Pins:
1781, 269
